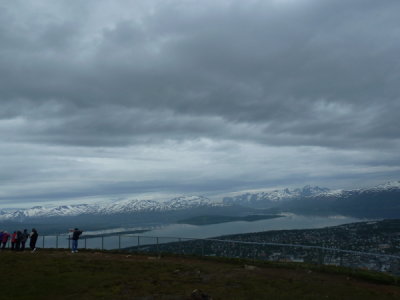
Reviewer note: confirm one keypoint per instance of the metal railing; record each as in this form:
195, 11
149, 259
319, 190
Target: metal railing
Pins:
230, 248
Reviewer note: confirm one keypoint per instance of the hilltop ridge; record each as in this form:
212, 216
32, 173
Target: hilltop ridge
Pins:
105, 275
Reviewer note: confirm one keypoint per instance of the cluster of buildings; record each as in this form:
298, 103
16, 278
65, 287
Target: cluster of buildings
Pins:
370, 245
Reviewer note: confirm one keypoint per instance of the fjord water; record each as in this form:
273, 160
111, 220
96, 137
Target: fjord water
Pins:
174, 232
286, 222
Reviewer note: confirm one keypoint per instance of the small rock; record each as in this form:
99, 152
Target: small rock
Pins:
248, 267
199, 295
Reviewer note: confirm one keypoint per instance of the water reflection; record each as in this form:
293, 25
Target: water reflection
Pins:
289, 221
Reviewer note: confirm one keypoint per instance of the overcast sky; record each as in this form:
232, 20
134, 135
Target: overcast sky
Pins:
109, 99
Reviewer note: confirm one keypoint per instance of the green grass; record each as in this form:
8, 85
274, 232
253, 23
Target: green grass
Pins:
105, 275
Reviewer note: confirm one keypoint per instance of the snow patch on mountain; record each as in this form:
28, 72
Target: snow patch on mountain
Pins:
389, 185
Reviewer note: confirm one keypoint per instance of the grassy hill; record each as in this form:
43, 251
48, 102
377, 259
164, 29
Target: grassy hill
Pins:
60, 274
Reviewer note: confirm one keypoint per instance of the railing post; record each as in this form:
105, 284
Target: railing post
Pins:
85, 241
138, 241
69, 242
180, 245
202, 247
158, 250
43, 241
119, 242
102, 242
57, 241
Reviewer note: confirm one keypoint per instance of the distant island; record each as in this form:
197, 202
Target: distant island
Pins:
216, 219
90, 236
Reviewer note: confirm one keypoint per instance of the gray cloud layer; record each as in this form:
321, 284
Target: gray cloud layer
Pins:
267, 74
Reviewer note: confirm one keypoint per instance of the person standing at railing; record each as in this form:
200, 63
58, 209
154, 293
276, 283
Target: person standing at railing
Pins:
75, 237
34, 236
24, 238
6, 235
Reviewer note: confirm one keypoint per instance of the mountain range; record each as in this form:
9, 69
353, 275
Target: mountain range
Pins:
382, 201
116, 207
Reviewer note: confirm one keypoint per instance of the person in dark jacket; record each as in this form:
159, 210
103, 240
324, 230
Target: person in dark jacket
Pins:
34, 236
24, 238
18, 240
75, 237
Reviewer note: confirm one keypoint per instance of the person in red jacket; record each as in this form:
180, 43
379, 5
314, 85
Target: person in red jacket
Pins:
13, 240
6, 235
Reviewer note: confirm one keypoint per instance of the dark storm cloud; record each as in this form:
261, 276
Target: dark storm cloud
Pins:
317, 73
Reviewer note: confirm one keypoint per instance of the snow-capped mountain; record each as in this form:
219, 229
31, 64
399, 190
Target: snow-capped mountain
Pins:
188, 201
379, 201
265, 199
128, 205
389, 186
183, 202
43, 212
117, 207
382, 201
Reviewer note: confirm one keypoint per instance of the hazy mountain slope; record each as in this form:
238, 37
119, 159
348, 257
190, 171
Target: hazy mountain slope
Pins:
378, 202
273, 198
382, 201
